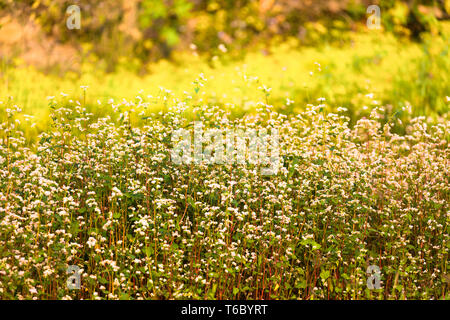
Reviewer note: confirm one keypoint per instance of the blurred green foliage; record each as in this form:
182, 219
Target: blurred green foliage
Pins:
148, 30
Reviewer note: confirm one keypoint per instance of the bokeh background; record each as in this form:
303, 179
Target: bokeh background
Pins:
304, 50
149, 30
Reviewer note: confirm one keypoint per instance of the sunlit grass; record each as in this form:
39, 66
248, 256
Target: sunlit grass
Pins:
365, 73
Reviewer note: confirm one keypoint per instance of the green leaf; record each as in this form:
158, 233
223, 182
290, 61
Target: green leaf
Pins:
102, 280
192, 202
148, 251
214, 289
301, 284
170, 35
74, 228
124, 296
324, 275
312, 243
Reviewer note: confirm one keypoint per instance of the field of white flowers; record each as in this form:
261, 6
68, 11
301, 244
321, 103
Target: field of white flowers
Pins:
103, 194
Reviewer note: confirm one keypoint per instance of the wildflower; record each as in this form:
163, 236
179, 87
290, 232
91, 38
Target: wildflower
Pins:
116, 192
222, 48
91, 242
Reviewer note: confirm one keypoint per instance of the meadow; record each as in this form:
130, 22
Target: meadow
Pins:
87, 177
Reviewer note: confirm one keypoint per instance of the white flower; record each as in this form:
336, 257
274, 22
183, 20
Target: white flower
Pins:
116, 192
91, 242
222, 48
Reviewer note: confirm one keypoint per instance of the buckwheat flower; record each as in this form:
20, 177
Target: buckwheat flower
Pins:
222, 48
112, 296
91, 242
47, 271
266, 89
116, 192
84, 87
